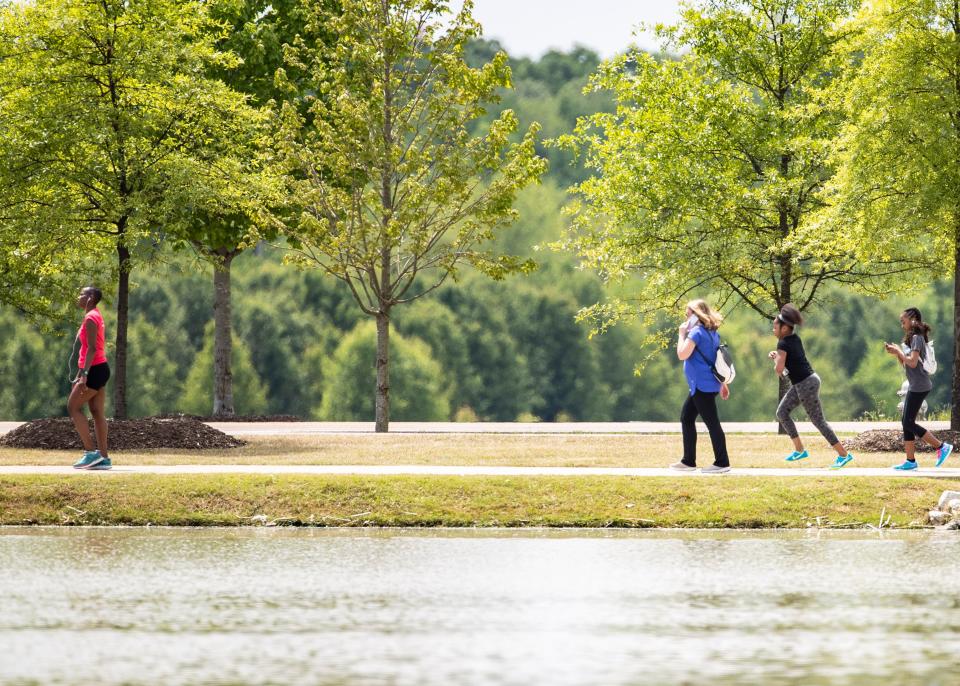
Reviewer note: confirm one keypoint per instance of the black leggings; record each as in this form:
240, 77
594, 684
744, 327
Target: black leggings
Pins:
705, 405
911, 407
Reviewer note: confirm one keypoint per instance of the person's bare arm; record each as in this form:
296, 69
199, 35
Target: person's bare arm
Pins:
780, 361
911, 360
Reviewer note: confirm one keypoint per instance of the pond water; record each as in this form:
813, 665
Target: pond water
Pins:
269, 606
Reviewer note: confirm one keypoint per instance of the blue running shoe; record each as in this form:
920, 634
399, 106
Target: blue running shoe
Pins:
944, 453
906, 466
102, 463
794, 456
88, 459
842, 461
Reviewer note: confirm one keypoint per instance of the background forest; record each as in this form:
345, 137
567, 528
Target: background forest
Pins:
479, 350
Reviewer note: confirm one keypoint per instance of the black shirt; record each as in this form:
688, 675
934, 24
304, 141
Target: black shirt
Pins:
798, 368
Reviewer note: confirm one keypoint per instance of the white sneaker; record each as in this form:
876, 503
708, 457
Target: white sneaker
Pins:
681, 467
714, 469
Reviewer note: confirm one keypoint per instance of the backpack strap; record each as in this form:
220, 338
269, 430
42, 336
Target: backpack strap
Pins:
711, 365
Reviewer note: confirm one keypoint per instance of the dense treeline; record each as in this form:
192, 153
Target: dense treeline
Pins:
480, 350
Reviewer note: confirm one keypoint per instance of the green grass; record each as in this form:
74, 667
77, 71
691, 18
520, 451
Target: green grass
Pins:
578, 450
232, 500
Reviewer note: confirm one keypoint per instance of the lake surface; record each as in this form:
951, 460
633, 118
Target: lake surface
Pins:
269, 606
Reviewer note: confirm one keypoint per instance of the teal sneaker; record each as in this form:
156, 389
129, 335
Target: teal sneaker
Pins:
88, 459
906, 466
102, 463
944, 453
842, 461
794, 456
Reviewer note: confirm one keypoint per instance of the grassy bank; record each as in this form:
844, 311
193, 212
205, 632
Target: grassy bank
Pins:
576, 450
233, 500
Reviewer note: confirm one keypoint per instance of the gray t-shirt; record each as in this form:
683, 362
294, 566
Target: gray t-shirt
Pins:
917, 376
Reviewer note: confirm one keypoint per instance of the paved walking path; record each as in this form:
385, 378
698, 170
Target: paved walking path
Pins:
446, 470
301, 428
307, 428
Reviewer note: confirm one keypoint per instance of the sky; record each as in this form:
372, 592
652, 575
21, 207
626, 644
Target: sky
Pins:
528, 28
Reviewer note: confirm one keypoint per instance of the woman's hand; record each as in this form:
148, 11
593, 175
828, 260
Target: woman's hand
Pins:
894, 350
683, 330
772, 354
724, 391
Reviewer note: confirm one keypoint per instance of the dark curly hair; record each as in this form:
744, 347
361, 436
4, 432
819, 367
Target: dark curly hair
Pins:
918, 327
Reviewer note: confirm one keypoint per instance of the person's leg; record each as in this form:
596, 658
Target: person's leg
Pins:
707, 407
911, 407
75, 405
788, 403
809, 392
931, 440
97, 404
688, 424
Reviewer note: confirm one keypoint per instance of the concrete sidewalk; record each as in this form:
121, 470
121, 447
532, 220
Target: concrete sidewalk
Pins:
309, 428
445, 470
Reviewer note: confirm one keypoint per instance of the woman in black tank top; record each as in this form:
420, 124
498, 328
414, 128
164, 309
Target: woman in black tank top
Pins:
791, 358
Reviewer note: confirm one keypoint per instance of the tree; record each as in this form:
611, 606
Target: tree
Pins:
28, 356
258, 32
153, 381
395, 194
437, 326
422, 385
251, 395
898, 186
115, 114
711, 171
499, 385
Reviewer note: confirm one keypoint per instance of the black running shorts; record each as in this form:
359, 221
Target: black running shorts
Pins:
98, 376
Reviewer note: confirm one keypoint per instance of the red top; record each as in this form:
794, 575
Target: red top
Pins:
99, 354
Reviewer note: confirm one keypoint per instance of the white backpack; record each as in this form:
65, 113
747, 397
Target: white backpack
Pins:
929, 359
722, 364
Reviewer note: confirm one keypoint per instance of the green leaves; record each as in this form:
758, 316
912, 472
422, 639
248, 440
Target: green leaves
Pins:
711, 171
898, 189
388, 182
111, 127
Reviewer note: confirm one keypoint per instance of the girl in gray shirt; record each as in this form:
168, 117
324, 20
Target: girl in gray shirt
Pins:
914, 352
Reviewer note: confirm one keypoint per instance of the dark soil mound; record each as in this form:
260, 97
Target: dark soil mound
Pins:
237, 418
891, 441
124, 434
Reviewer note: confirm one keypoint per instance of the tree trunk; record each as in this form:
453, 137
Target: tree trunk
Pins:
119, 373
383, 373
222, 340
955, 389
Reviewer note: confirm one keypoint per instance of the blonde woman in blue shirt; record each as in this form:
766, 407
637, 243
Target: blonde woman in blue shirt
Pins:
697, 345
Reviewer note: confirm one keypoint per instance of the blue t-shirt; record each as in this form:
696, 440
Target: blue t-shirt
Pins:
696, 368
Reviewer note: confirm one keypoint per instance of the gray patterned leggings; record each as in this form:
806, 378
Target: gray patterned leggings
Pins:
807, 393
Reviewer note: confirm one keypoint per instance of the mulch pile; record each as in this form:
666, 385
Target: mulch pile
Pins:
127, 434
891, 441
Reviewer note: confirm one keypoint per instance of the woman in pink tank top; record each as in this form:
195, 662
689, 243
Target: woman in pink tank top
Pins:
90, 384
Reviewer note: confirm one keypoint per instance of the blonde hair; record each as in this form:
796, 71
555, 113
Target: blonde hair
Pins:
709, 317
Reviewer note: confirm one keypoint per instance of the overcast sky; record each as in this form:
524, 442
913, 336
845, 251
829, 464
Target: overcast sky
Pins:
528, 28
